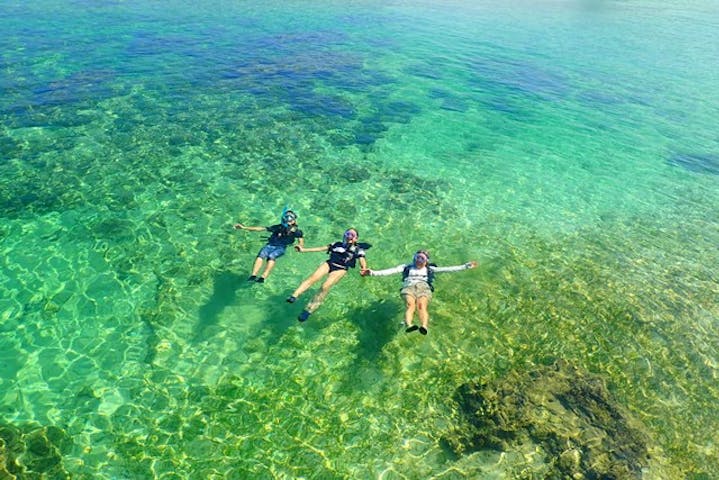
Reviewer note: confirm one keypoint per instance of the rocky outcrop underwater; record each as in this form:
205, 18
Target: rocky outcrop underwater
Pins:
567, 414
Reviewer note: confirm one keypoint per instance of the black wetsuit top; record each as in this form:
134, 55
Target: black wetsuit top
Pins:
343, 255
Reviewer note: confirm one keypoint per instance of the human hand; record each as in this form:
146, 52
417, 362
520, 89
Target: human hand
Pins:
365, 272
239, 226
471, 264
299, 248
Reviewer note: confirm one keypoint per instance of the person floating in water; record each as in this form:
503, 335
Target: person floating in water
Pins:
282, 235
343, 256
417, 286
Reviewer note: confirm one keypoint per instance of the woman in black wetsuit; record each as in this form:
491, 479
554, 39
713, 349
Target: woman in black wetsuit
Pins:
343, 256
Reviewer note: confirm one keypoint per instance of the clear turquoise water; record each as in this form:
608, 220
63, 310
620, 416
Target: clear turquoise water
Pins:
569, 147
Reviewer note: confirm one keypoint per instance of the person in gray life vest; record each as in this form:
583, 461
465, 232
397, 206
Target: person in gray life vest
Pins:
343, 256
417, 287
281, 236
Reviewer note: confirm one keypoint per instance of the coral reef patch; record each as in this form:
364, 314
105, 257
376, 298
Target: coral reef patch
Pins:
567, 413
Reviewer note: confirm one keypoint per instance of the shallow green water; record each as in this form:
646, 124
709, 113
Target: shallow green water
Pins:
569, 147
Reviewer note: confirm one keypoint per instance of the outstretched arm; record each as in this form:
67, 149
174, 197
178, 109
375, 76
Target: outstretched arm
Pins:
382, 273
303, 249
455, 268
239, 226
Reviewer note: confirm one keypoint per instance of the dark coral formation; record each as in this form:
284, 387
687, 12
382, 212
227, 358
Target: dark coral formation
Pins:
583, 432
33, 452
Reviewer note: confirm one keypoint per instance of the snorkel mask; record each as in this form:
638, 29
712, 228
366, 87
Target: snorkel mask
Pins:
350, 235
421, 257
287, 217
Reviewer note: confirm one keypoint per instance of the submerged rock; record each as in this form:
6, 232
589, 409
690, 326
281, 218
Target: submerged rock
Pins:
569, 414
32, 452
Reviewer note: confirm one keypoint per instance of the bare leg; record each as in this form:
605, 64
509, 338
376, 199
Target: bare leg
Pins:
256, 266
332, 279
422, 305
268, 268
309, 281
409, 302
